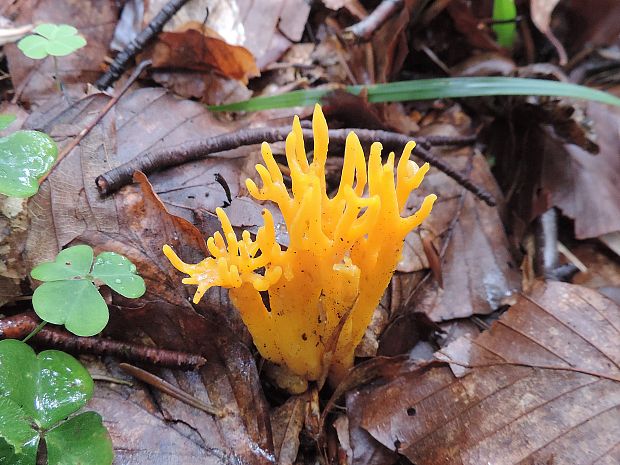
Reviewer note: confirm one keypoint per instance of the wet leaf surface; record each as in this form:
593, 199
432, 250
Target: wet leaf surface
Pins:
477, 269
531, 396
543, 386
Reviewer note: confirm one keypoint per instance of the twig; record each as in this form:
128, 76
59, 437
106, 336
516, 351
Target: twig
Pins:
16, 327
364, 30
151, 161
84, 132
546, 239
118, 66
170, 389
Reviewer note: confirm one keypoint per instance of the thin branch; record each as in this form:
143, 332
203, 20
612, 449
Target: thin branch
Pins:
364, 30
84, 132
170, 389
18, 326
151, 161
120, 63
546, 239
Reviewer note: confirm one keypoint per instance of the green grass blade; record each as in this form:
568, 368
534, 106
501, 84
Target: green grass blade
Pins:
430, 89
505, 10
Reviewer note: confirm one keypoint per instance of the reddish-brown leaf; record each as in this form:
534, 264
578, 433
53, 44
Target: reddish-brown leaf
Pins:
194, 50
544, 388
287, 422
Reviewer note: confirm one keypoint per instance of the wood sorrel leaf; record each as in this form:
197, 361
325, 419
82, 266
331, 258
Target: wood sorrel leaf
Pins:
118, 273
71, 263
82, 439
51, 39
48, 387
25, 156
6, 120
37, 394
76, 304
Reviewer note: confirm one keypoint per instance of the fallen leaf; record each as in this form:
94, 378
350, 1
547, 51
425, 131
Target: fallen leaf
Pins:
540, 11
590, 23
267, 28
194, 50
477, 268
538, 168
467, 24
143, 432
287, 421
230, 378
543, 386
585, 187
94, 20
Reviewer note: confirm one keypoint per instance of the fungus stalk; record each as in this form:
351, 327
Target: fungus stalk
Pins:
343, 251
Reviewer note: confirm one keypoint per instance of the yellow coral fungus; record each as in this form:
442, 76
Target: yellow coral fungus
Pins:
341, 256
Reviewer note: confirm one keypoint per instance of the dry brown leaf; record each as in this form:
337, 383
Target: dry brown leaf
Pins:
540, 11
586, 187
198, 51
148, 433
286, 423
266, 28
467, 24
69, 204
94, 20
503, 411
230, 378
590, 23
477, 268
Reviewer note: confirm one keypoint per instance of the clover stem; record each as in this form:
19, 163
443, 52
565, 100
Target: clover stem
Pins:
56, 76
35, 331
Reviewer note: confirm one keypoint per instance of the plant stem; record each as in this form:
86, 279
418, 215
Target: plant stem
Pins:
56, 76
35, 331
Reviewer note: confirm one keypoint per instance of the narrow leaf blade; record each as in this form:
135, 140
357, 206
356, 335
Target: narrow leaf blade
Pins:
429, 89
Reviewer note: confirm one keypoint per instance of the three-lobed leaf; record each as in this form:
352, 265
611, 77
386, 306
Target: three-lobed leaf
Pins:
37, 394
68, 295
51, 39
25, 156
6, 120
48, 387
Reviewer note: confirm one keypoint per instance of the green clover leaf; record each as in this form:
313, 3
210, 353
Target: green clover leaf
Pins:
6, 120
81, 440
119, 274
25, 156
76, 304
37, 395
74, 262
68, 295
51, 39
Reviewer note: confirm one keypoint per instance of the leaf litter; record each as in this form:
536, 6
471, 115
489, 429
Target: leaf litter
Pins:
518, 378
